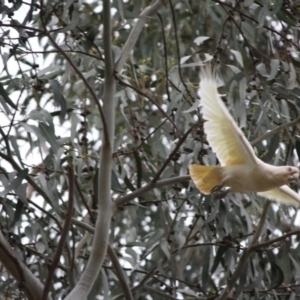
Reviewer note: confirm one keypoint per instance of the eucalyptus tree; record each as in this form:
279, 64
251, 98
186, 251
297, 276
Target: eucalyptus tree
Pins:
100, 120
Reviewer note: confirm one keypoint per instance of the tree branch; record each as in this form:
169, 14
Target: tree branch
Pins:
84, 201
158, 292
64, 233
100, 241
82, 77
11, 261
244, 259
136, 31
178, 51
144, 94
274, 131
150, 186
180, 142
114, 259
29, 180
276, 240
120, 273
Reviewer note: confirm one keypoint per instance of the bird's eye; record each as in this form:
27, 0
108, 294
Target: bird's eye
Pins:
289, 169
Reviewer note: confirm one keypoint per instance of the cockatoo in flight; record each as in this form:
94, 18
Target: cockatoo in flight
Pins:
240, 171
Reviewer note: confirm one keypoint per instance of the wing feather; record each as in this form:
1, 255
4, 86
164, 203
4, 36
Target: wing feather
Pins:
283, 194
224, 136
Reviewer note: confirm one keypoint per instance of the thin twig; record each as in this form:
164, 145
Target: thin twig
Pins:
243, 35
135, 32
166, 163
165, 56
57, 51
46, 212
273, 241
244, 259
178, 52
28, 178
274, 131
84, 201
150, 186
149, 98
82, 77
284, 37
120, 273
158, 292
64, 233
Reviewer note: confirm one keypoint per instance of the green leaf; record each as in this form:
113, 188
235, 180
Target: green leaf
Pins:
21, 192
238, 57
48, 134
220, 253
297, 146
95, 189
214, 213
133, 254
139, 169
200, 39
74, 123
262, 14
28, 17
41, 116
242, 280
295, 62
274, 68
29, 233
205, 268
277, 276
59, 98
292, 296
5, 96
15, 183
97, 287
18, 213
277, 6
154, 238
40, 247
13, 141
272, 148
49, 72
129, 184
49, 189
5, 107
75, 19
132, 244
115, 185
287, 17
105, 285
292, 82
35, 130
164, 245
147, 148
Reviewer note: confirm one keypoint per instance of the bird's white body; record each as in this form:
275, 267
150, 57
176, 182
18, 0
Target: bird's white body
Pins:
260, 178
240, 169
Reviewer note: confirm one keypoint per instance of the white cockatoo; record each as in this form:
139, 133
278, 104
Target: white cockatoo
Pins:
240, 171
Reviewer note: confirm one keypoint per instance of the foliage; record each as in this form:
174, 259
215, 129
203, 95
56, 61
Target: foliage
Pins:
171, 241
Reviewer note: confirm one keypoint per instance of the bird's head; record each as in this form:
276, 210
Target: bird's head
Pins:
290, 174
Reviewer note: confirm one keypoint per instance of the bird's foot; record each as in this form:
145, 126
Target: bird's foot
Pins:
219, 192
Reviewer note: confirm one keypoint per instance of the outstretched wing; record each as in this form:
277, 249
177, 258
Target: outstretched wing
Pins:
224, 136
283, 194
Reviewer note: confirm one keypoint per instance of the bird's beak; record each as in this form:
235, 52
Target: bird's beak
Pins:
295, 174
